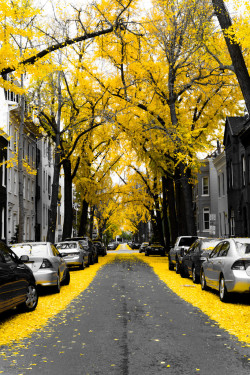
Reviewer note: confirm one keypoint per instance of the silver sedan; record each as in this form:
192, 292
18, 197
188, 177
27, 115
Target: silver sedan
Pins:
73, 254
228, 268
46, 263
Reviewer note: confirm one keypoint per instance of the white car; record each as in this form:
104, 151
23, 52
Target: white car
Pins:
228, 268
46, 263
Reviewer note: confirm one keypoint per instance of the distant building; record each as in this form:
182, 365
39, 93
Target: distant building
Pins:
237, 149
205, 199
221, 169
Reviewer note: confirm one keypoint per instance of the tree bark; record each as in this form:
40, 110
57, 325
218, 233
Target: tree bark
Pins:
20, 169
68, 204
52, 214
84, 219
165, 215
234, 51
172, 209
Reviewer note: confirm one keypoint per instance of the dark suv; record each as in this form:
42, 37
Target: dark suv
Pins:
177, 252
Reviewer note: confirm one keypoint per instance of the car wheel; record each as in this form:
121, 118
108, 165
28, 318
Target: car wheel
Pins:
224, 297
146, 254
58, 284
203, 281
170, 266
183, 271
194, 276
82, 265
31, 299
67, 278
177, 267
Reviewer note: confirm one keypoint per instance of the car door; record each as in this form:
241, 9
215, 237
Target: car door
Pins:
60, 261
208, 266
13, 283
218, 263
189, 257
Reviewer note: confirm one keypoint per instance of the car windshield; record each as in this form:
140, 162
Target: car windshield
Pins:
243, 248
67, 245
31, 249
209, 245
188, 241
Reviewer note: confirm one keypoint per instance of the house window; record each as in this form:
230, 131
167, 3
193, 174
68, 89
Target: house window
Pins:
15, 182
231, 174
232, 223
243, 170
223, 184
219, 186
3, 172
206, 225
205, 186
24, 187
49, 184
3, 223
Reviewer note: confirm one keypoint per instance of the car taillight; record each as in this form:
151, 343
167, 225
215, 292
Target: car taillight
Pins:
241, 265
46, 264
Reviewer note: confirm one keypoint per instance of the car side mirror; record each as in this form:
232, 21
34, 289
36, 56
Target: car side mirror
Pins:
24, 258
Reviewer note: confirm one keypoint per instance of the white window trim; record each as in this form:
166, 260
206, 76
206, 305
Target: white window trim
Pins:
205, 195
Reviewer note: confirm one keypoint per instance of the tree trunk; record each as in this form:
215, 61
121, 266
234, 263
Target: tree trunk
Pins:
188, 198
20, 169
172, 209
180, 204
52, 215
234, 51
91, 223
166, 231
84, 219
68, 205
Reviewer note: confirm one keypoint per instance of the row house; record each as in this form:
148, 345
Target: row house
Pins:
37, 178
222, 194
237, 149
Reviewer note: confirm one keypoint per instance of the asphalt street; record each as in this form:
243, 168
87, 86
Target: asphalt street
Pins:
128, 322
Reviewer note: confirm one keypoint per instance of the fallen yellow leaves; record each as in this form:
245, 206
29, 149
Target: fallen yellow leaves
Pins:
230, 316
22, 325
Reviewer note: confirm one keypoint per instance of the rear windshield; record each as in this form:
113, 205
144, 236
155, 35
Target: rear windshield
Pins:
32, 249
243, 248
67, 245
187, 241
209, 245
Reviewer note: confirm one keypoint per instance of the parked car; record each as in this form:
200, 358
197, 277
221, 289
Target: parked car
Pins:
46, 263
176, 253
17, 282
112, 246
87, 245
196, 255
155, 248
143, 247
101, 249
73, 254
228, 268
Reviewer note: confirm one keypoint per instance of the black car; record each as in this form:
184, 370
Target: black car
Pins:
195, 256
101, 249
88, 246
112, 246
155, 248
17, 283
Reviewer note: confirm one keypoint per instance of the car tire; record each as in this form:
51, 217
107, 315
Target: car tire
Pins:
170, 265
31, 299
183, 271
82, 265
223, 293
57, 287
194, 276
177, 267
203, 281
67, 278
146, 254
